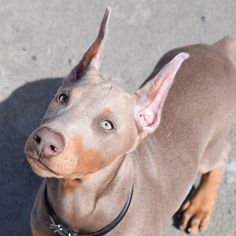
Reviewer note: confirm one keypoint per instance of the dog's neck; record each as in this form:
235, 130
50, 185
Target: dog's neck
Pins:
94, 202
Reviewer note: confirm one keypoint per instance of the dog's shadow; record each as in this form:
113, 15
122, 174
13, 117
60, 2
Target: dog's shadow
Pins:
20, 113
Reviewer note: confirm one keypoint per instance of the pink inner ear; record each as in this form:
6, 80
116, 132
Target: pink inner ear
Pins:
146, 117
151, 114
92, 58
157, 91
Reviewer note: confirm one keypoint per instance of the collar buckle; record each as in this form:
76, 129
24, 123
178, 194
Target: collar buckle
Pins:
61, 230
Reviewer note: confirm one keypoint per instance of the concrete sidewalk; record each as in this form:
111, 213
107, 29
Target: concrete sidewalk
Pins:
40, 41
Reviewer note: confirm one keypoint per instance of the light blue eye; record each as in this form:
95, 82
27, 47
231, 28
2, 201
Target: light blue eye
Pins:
107, 124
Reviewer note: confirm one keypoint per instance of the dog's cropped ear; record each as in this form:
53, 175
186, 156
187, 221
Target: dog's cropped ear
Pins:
151, 97
92, 58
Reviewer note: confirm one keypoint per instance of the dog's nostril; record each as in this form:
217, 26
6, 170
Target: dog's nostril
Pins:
47, 143
53, 148
37, 139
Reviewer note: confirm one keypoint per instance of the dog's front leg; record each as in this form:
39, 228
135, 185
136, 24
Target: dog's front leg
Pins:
196, 211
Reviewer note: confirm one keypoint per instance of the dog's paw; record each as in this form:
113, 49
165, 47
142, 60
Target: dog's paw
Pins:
195, 215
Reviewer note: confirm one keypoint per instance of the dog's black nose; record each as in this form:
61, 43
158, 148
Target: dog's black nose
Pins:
48, 143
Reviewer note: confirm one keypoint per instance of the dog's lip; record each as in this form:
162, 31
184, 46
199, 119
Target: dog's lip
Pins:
41, 165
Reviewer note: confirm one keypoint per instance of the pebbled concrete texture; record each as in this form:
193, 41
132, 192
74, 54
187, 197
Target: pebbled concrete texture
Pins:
40, 41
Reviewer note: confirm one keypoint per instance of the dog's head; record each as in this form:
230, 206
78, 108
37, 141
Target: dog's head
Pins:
91, 122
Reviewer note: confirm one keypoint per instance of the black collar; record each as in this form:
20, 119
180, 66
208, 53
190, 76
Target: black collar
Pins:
63, 231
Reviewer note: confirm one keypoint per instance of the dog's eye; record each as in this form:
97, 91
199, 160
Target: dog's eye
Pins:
63, 98
107, 124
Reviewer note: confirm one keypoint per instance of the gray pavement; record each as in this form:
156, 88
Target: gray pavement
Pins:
40, 41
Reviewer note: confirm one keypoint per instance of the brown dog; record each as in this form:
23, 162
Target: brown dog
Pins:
101, 153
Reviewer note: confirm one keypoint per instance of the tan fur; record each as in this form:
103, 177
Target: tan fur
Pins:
37, 233
69, 185
106, 112
89, 161
198, 210
191, 137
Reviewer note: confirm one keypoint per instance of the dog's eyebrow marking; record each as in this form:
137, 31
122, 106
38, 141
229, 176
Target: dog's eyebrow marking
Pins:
106, 112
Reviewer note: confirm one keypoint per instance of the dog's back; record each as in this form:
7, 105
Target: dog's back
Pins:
196, 119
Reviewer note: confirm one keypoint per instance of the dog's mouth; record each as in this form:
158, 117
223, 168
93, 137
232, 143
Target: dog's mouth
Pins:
38, 165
